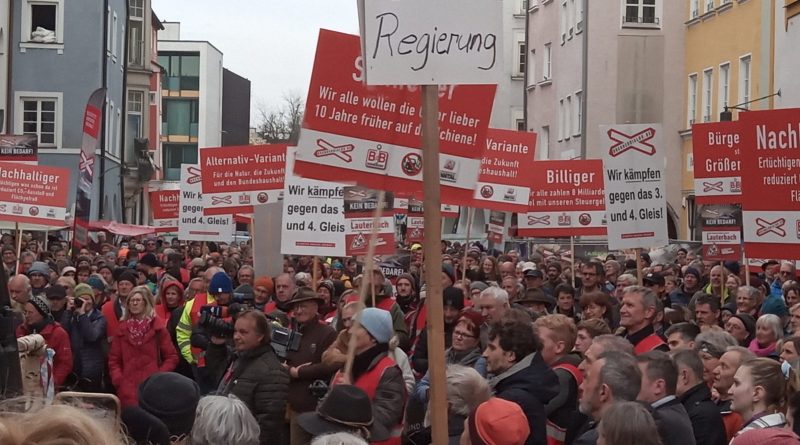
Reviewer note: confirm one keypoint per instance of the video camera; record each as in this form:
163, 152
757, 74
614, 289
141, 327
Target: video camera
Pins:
212, 320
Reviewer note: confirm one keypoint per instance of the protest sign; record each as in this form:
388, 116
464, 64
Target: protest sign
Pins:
636, 206
360, 204
566, 199
717, 150
721, 227
19, 148
450, 211
33, 194
496, 226
192, 224
371, 135
501, 184
420, 42
313, 215
771, 183
415, 222
165, 206
237, 178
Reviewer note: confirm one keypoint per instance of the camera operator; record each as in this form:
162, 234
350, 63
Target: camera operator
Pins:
194, 340
87, 333
305, 364
256, 376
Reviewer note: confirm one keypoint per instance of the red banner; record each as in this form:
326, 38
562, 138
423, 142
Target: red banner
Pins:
771, 183
415, 222
567, 199
371, 135
502, 185
33, 194
717, 165
359, 207
237, 178
92, 125
496, 226
165, 206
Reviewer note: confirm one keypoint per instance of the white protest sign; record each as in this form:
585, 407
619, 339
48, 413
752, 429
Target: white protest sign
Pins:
313, 215
634, 162
192, 225
424, 42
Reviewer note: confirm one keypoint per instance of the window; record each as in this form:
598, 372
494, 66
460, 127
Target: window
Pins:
708, 75
182, 73
691, 111
180, 118
136, 32
560, 120
521, 56
133, 127
577, 123
709, 5
640, 12
174, 156
694, 9
546, 64
153, 98
744, 80
114, 31
109, 126
544, 143
579, 16
568, 118
39, 114
520, 124
724, 91
42, 24
531, 67
564, 19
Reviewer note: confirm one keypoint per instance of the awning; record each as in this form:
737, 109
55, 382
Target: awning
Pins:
121, 229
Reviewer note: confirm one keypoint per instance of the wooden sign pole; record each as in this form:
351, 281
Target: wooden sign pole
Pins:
433, 263
18, 231
466, 245
639, 276
572, 260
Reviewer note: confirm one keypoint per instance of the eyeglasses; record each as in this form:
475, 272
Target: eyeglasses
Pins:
786, 272
461, 334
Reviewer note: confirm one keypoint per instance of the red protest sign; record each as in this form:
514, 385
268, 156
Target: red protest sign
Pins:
359, 207
165, 206
567, 199
33, 194
235, 179
717, 149
502, 185
771, 183
496, 226
371, 135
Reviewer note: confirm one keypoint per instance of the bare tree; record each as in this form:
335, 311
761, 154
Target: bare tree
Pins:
281, 123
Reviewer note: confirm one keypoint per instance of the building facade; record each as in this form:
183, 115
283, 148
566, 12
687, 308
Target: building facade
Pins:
591, 64
235, 109
735, 70
787, 64
56, 54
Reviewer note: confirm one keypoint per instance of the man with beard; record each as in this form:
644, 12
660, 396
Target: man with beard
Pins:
406, 293
553, 278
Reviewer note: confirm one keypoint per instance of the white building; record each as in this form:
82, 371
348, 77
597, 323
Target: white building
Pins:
787, 64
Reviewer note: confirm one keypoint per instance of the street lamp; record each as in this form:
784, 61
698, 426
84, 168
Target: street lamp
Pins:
726, 115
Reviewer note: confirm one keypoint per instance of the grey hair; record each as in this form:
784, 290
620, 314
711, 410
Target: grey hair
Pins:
25, 280
689, 359
744, 353
613, 343
790, 264
246, 266
649, 298
773, 322
338, 439
627, 279
629, 422
751, 292
466, 389
621, 374
496, 293
224, 421
714, 342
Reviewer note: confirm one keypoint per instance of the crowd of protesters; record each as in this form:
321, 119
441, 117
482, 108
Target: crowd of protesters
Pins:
200, 349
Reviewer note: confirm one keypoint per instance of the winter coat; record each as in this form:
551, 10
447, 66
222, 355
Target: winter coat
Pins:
129, 365
529, 383
57, 339
704, 415
317, 337
162, 310
89, 345
673, 424
471, 358
258, 379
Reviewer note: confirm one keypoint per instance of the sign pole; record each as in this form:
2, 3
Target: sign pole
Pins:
366, 283
433, 262
639, 276
572, 259
470, 215
19, 245
746, 268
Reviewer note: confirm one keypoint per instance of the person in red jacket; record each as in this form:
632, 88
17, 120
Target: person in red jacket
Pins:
141, 347
39, 320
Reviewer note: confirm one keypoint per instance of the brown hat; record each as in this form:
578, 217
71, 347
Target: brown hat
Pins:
305, 294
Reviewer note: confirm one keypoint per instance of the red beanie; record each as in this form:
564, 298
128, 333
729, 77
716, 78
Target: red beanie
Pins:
266, 282
498, 422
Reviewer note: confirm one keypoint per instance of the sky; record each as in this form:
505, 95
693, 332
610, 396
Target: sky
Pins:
270, 42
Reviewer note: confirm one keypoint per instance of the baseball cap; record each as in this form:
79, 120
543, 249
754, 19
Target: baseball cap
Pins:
654, 278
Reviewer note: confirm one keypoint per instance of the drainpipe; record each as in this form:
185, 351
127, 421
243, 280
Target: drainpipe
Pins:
10, 57
527, 62
103, 128
124, 113
585, 78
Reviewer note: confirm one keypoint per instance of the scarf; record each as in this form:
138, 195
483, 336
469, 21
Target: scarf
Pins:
137, 328
362, 361
765, 351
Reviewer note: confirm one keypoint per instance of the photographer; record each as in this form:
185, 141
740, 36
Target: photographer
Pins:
305, 364
87, 332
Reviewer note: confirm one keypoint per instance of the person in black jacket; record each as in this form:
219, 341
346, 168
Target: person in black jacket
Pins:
659, 381
520, 374
695, 396
257, 377
87, 333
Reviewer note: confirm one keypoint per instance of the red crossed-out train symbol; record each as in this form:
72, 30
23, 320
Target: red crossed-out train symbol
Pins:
712, 186
536, 220
776, 227
86, 164
194, 175
340, 151
638, 142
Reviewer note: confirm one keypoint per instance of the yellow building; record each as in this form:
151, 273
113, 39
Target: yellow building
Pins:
728, 61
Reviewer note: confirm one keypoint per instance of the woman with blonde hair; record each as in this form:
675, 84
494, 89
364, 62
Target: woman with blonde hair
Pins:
141, 348
759, 393
769, 331
628, 423
57, 424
